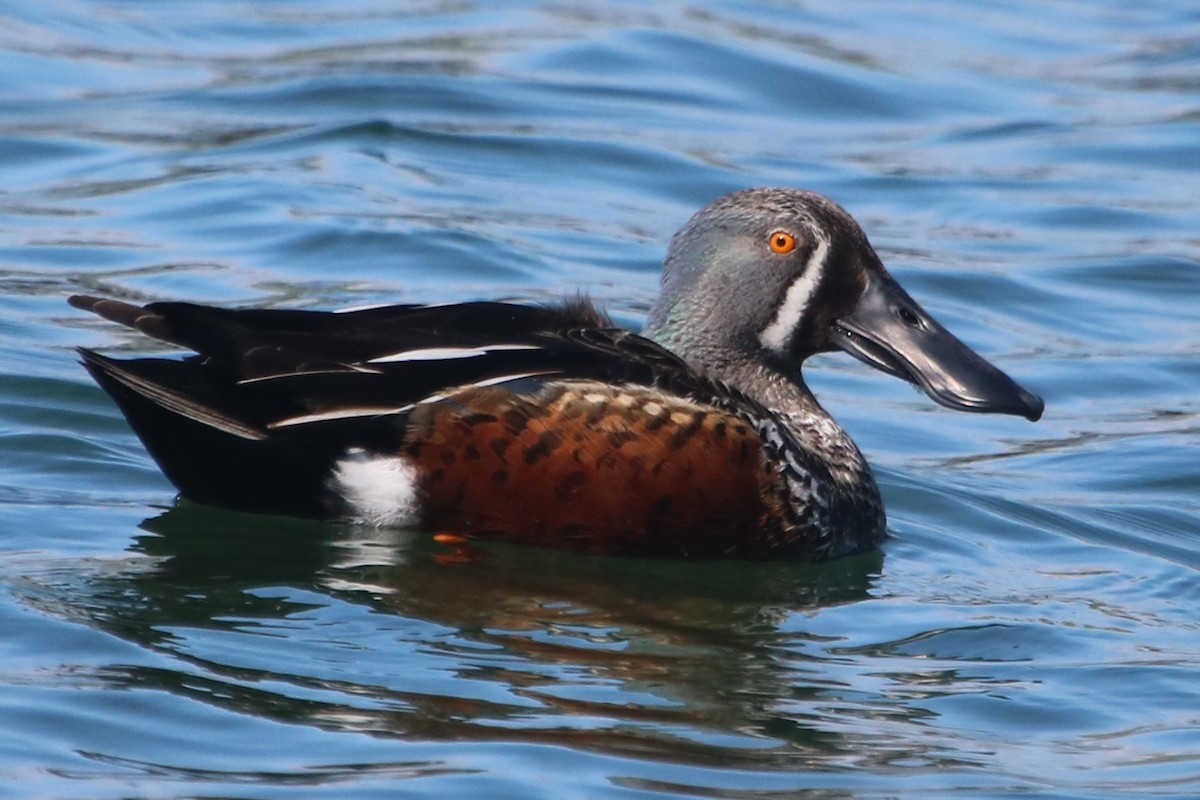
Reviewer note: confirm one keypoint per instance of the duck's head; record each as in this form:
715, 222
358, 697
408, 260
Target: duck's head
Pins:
773, 276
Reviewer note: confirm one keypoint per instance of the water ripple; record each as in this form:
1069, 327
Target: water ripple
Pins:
1028, 172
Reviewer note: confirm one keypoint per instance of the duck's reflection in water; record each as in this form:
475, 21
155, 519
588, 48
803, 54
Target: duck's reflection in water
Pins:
393, 633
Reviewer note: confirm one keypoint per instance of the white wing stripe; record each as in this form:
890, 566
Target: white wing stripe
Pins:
448, 353
437, 398
344, 369
338, 413
352, 412
364, 307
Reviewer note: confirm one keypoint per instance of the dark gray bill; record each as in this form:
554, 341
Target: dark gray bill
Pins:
892, 333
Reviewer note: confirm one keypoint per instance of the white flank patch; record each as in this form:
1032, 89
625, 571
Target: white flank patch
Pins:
776, 335
378, 490
448, 353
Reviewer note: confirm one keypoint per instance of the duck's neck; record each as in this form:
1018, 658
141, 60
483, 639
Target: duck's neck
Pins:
840, 489
815, 430
827, 475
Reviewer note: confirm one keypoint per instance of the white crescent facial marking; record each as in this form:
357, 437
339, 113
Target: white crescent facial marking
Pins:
775, 337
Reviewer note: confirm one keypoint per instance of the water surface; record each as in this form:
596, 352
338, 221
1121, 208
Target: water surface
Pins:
1029, 172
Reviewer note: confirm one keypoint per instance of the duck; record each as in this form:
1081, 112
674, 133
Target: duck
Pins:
550, 425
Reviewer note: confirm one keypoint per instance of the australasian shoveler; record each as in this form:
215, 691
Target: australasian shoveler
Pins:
550, 425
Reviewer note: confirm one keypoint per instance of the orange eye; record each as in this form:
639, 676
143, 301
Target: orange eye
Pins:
782, 242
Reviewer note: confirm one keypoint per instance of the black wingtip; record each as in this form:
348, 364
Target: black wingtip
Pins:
142, 319
84, 302
93, 362
1034, 405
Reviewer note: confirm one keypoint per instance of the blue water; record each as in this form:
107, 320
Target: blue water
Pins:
1029, 170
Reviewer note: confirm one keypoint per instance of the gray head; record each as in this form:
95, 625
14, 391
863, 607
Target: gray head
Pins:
760, 273
769, 277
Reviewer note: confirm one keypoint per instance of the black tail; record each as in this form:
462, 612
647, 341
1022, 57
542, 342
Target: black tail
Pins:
213, 456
